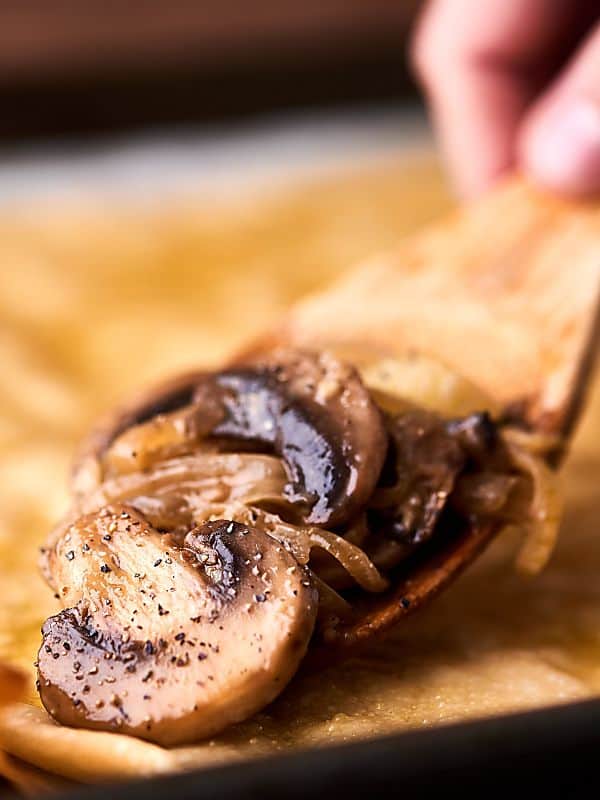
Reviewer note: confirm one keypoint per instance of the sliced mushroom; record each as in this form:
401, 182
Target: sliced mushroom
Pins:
170, 643
310, 409
316, 413
426, 462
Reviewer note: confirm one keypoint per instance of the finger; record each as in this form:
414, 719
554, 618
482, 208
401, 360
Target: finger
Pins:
560, 140
481, 65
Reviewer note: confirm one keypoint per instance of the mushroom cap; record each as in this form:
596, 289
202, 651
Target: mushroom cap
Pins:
316, 413
310, 409
170, 643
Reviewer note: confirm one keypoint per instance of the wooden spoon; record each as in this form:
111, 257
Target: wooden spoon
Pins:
506, 293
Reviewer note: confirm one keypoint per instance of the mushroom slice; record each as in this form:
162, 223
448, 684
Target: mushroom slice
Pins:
170, 643
427, 460
315, 412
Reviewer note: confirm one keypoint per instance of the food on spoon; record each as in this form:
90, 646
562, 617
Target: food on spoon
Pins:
229, 521
171, 641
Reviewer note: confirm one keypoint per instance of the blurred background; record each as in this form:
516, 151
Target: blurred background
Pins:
85, 66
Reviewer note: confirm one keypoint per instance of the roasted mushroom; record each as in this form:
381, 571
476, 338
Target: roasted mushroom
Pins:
167, 642
316, 413
312, 410
226, 520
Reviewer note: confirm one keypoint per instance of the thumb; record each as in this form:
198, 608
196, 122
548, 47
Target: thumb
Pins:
559, 141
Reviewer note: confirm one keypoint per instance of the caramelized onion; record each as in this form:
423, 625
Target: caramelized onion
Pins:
196, 481
302, 540
180, 492
161, 437
544, 513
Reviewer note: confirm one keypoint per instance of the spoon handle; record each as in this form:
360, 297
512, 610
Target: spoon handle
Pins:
505, 292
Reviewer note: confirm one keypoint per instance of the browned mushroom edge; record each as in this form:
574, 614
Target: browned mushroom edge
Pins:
225, 521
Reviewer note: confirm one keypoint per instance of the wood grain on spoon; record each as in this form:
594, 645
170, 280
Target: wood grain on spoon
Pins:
506, 293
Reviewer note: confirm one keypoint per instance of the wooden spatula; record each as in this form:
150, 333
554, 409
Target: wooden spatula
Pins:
506, 293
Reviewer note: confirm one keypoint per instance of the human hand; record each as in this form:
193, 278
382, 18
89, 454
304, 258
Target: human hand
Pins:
514, 84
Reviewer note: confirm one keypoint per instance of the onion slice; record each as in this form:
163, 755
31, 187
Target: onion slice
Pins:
546, 507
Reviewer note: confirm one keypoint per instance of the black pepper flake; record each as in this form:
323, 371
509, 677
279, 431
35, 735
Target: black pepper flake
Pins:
147, 676
55, 656
158, 562
202, 656
105, 568
66, 645
405, 602
107, 537
260, 598
149, 648
85, 547
86, 689
180, 637
70, 555
162, 611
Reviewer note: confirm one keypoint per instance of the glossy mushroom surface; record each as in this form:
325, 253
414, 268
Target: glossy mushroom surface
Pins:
312, 410
170, 642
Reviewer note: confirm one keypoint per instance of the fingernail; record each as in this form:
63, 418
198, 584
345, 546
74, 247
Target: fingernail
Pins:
562, 149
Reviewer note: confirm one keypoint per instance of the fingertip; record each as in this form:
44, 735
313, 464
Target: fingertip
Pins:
559, 145
470, 184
